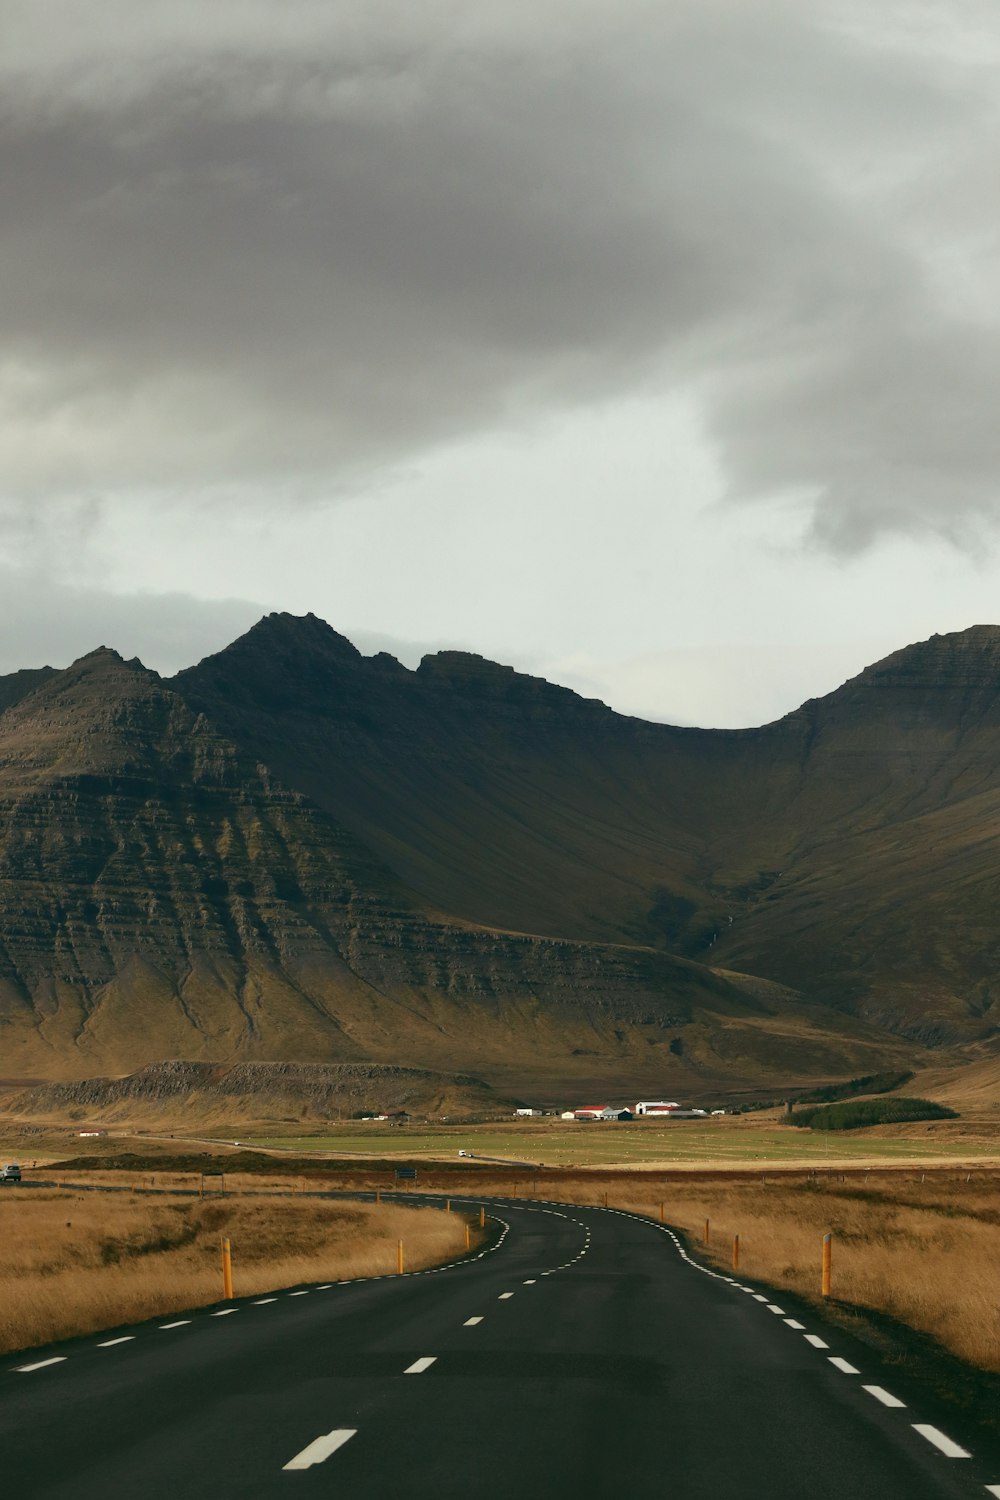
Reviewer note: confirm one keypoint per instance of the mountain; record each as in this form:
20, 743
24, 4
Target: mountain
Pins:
164, 893
849, 851
293, 852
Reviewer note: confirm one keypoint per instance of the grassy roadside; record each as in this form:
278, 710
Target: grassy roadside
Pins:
915, 1246
77, 1262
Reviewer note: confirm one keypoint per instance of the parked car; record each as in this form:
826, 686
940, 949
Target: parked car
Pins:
10, 1173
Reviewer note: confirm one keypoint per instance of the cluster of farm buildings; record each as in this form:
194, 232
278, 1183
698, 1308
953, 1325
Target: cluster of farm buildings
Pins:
645, 1109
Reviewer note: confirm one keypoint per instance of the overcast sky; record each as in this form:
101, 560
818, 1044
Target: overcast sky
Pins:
648, 345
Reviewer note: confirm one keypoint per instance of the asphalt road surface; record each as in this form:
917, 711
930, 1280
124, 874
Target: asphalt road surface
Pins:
584, 1355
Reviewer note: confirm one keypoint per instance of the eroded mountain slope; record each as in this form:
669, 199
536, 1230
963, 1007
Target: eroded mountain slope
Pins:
162, 893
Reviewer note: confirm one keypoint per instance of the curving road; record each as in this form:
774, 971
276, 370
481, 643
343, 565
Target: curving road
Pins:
584, 1354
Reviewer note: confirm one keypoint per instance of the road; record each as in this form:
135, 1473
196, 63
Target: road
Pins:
585, 1354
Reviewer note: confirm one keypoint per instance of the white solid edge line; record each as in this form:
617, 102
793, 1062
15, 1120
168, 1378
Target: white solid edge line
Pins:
321, 1448
881, 1394
816, 1341
181, 1323
41, 1364
471, 1322
844, 1366
420, 1365
110, 1343
940, 1441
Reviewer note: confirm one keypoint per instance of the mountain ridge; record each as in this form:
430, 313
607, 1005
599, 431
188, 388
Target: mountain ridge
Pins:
295, 851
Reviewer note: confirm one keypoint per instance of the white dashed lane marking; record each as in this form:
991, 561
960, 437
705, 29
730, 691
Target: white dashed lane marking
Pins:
420, 1365
505, 1296
321, 1449
224, 1313
471, 1322
940, 1441
531, 1282
263, 1301
181, 1323
779, 1310
41, 1364
793, 1324
843, 1365
816, 1341
881, 1394
127, 1338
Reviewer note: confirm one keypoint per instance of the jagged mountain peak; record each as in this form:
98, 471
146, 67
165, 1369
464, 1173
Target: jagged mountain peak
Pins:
279, 633
477, 676
961, 658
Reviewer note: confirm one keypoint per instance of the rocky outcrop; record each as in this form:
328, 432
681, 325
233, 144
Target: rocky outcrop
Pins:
258, 1091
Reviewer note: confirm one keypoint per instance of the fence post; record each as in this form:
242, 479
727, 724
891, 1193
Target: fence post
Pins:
378, 1195
447, 1205
827, 1259
706, 1232
227, 1270
736, 1252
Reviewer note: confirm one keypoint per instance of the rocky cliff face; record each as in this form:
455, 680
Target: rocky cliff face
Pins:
163, 892
846, 850
292, 851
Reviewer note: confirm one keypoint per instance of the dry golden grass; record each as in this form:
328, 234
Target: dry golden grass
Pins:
77, 1262
923, 1251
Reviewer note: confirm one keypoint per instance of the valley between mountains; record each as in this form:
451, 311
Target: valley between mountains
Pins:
292, 853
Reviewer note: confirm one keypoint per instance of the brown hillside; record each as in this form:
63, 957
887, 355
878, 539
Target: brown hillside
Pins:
163, 893
849, 851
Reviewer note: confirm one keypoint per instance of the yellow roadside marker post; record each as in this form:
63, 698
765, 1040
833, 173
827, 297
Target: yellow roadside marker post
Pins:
468, 1238
227, 1270
482, 1217
399, 1257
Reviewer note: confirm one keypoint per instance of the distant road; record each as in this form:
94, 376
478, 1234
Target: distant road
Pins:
584, 1356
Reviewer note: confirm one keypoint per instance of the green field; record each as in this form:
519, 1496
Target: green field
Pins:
723, 1143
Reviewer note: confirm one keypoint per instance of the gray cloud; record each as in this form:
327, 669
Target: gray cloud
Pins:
250, 248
